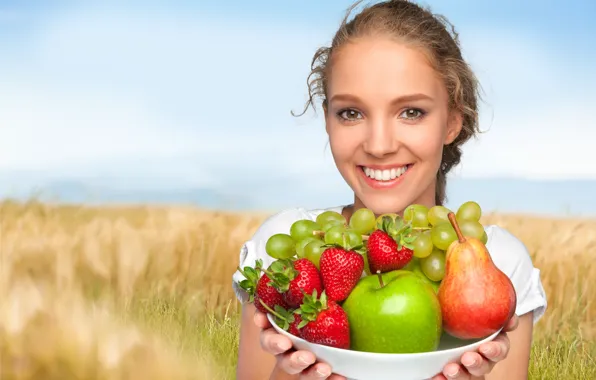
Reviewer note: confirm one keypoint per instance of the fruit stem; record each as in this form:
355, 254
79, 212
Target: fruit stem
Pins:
380, 278
270, 310
453, 221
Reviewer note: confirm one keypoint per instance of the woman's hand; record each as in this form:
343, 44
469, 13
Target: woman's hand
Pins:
478, 364
288, 360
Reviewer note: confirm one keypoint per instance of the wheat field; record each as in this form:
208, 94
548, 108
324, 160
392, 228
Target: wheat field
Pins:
145, 292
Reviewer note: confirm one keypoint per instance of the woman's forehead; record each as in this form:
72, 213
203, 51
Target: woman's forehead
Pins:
380, 65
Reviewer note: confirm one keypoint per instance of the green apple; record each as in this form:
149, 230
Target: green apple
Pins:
394, 312
414, 266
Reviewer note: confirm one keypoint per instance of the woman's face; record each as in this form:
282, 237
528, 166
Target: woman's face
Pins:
387, 118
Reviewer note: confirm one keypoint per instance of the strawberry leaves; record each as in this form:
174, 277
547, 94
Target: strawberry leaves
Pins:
251, 277
399, 230
311, 307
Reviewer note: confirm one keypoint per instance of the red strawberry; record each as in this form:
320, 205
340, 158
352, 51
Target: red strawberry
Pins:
389, 248
267, 294
324, 322
340, 269
260, 289
294, 278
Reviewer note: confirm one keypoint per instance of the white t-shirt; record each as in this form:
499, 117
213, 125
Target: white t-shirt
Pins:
508, 253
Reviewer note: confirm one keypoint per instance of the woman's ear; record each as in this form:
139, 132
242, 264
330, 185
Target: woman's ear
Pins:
454, 127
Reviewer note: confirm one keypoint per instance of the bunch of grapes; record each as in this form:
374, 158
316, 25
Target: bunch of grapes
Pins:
308, 238
434, 234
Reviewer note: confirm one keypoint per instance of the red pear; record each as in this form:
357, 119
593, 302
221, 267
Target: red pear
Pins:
476, 297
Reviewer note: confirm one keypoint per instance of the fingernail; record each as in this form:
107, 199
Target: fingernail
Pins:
282, 346
453, 372
302, 360
487, 351
468, 362
322, 373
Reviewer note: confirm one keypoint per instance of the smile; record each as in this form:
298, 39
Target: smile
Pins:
384, 177
387, 174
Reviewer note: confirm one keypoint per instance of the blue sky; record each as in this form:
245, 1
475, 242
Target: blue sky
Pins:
173, 94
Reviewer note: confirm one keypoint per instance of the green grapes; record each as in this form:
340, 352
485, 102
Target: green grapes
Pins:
417, 215
363, 221
303, 228
433, 266
314, 250
423, 245
335, 235
438, 215
474, 229
469, 211
443, 235
280, 246
330, 216
302, 243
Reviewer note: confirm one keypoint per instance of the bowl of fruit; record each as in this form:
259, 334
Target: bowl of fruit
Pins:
384, 297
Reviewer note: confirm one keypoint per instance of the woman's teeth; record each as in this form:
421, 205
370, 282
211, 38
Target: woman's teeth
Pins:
384, 175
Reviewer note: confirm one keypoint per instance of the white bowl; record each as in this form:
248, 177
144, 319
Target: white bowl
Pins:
356, 365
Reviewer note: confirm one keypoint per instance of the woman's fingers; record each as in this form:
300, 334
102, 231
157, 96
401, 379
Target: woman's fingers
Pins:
496, 350
512, 324
296, 361
320, 371
475, 364
274, 343
261, 320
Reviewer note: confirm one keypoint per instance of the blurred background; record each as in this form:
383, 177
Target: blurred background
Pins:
190, 102
142, 142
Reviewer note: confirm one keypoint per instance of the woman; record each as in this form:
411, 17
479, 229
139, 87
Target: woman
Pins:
399, 102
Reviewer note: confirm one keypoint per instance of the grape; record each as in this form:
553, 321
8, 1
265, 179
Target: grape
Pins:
417, 214
335, 235
329, 216
443, 235
353, 239
423, 245
484, 238
438, 215
302, 243
332, 223
303, 228
472, 229
280, 246
363, 221
433, 266
314, 250
469, 211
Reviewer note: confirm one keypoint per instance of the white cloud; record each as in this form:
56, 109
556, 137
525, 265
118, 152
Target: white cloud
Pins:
183, 98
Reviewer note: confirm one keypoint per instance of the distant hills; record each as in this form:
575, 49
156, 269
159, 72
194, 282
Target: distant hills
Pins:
558, 198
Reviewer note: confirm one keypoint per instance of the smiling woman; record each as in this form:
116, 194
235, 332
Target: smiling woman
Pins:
399, 102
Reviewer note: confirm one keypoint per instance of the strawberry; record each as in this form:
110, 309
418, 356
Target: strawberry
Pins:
390, 247
260, 290
324, 322
340, 270
295, 278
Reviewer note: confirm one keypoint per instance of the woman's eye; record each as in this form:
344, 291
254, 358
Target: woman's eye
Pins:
350, 114
412, 113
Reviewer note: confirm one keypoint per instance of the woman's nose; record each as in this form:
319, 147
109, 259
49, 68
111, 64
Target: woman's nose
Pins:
381, 139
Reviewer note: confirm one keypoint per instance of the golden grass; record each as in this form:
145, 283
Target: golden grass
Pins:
145, 292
